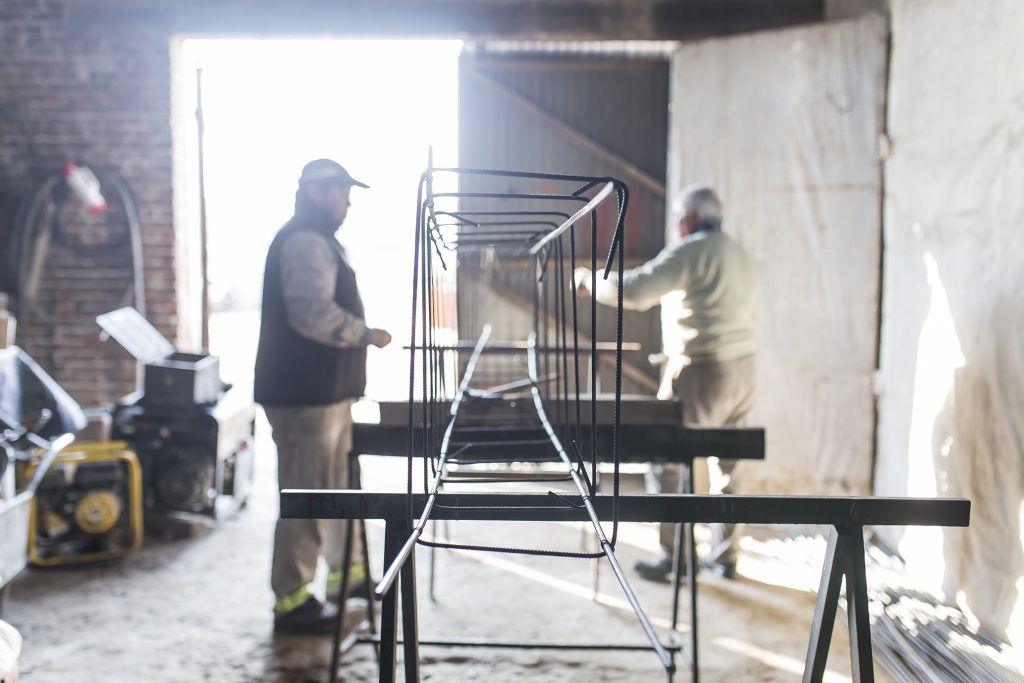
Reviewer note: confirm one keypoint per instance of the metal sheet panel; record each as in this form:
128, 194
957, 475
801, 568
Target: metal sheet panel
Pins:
564, 115
552, 111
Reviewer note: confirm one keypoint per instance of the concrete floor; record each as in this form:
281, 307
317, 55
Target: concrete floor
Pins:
200, 610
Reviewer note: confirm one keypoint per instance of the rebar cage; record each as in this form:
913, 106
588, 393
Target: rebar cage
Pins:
456, 426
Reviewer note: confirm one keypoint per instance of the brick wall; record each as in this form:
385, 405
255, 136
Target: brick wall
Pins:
100, 96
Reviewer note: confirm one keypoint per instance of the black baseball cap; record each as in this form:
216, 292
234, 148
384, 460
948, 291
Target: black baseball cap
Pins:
325, 169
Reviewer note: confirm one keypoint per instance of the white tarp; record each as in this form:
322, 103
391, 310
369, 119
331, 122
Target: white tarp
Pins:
785, 125
953, 309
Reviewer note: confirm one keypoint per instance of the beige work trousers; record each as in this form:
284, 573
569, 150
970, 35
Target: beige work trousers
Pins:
313, 446
713, 394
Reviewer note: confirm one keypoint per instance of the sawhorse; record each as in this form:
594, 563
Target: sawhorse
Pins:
846, 515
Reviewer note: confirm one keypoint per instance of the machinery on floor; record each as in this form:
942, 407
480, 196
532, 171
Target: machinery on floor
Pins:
62, 503
178, 451
88, 504
192, 433
197, 459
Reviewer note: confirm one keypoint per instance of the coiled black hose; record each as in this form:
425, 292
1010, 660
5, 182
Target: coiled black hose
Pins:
37, 225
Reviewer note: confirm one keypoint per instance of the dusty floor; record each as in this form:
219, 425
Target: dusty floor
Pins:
200, 610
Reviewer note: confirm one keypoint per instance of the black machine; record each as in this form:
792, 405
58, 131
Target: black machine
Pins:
195, 458
193, 434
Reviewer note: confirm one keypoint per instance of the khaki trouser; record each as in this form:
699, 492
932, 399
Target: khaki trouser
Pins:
713, 394
313, 445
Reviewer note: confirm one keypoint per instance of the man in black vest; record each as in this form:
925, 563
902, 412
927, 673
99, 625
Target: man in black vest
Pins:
310, 367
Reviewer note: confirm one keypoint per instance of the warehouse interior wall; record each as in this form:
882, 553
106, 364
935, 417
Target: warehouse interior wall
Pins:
784, 125
952, 372
90, 81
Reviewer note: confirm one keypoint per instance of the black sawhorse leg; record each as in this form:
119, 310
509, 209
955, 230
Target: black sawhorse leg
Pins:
844, 557
396, 531
338, 648
684, 539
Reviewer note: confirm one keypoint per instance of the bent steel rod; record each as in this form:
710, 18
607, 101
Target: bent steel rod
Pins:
584, 210
532, 175
584, 491
391, 574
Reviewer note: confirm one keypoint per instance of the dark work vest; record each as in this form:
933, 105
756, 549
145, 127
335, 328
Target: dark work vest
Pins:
293, 370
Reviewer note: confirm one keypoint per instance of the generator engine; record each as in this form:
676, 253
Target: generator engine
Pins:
195, 459
185, 480
88, 506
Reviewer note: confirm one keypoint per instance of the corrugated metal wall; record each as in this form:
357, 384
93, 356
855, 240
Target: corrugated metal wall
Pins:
558, 109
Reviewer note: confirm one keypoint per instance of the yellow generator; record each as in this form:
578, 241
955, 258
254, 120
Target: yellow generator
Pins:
88, 506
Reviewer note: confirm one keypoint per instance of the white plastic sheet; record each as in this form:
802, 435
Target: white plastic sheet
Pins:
785, 125
951, 419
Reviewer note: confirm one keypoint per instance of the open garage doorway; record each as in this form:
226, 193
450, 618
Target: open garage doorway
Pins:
270, 106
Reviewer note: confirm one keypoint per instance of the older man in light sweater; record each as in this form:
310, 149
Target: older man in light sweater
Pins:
708, 288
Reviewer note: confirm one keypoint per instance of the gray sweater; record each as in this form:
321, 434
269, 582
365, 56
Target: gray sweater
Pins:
709, 291
308, 274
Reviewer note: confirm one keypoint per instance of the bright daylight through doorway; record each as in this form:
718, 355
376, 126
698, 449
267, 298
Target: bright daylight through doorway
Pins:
269, 106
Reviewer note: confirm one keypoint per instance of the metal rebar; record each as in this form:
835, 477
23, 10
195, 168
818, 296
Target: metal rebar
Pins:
544, 240
388, 580
534, 645
587, 208
606, 546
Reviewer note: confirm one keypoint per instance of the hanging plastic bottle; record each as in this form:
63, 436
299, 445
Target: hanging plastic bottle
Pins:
86, 187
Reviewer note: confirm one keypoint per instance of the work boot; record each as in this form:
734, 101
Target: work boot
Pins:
658, 569
725, 569
312, 617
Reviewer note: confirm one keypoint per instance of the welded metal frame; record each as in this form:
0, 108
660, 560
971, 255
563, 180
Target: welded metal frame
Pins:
429, 225
541, 239
438, 420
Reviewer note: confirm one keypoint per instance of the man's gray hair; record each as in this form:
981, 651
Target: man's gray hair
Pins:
699, 199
